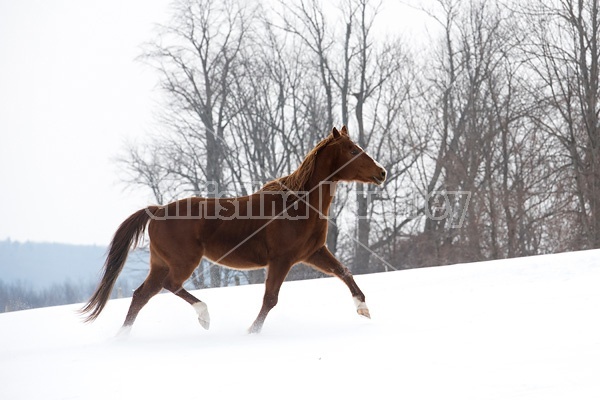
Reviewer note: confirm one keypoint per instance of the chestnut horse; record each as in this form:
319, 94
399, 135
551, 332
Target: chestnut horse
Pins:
282, 224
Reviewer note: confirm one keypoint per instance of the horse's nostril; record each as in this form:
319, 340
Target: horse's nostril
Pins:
383, 173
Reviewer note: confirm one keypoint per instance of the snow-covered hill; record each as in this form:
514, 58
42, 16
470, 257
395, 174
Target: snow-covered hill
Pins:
518, 329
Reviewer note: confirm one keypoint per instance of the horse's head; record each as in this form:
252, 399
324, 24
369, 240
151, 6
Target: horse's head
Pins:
352, 163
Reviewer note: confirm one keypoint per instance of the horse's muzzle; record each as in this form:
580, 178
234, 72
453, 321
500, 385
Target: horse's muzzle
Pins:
379, 178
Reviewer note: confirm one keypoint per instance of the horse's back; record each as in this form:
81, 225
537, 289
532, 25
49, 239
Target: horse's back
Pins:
215, 228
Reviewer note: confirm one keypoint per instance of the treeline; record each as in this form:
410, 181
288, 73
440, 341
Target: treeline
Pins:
22, 296
489, 127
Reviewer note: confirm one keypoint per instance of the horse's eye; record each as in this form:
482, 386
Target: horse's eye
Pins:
354, 152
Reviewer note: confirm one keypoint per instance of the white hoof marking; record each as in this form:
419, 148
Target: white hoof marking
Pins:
361, 308
202, 311
360, 305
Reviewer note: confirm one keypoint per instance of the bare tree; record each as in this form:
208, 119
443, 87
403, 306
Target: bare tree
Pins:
564, 54
485, 142
489, 136
197, 55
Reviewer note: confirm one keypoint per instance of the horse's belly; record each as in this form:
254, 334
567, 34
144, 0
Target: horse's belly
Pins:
236, 254
234, 261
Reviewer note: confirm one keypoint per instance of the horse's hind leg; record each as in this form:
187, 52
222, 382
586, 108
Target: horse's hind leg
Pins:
151, 286
276, 273
180, 271
199, 306
326, 262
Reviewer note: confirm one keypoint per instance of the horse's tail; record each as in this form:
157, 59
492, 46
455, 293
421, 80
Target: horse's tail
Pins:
129, 234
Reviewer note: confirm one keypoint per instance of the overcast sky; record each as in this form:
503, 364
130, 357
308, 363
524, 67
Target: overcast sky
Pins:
71, 95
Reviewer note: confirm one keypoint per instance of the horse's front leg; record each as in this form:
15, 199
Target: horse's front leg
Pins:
326, 262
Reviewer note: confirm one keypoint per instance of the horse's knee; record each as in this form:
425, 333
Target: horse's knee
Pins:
345, 273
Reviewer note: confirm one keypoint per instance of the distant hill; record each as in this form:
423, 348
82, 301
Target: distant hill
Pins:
41, 265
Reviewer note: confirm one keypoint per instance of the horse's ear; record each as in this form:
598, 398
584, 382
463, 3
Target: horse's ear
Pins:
335, 132
344, 131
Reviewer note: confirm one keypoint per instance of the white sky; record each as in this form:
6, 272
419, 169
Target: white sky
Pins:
71, 95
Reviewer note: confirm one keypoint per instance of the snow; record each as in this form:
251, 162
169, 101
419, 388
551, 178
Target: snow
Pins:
525, 328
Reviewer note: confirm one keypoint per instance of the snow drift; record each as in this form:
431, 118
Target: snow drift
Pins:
514, 329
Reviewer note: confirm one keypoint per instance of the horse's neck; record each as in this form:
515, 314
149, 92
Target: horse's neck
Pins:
322, 190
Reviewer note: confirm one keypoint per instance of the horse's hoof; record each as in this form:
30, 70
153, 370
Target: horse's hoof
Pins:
364, 312
254, 329
361, 307
123, 332
203, 316
204, 323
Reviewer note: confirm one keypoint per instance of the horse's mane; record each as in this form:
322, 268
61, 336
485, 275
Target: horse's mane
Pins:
297, 180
